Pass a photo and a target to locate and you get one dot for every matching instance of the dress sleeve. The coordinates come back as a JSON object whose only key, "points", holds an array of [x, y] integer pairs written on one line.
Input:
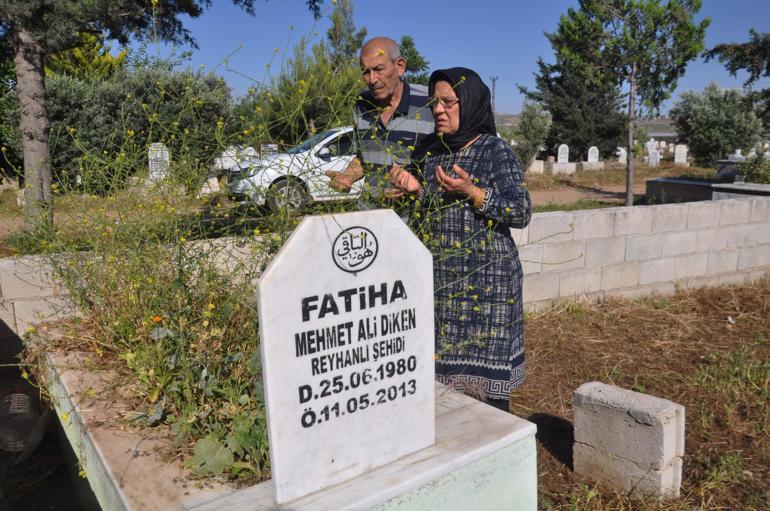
{"points": [[506, 200]]}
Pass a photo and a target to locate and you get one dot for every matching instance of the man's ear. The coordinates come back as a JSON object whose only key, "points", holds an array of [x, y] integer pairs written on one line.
{"points": [[401, 66]]}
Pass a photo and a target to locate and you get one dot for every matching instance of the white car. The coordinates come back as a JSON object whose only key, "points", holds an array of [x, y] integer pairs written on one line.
{"points": [[295, 178]]}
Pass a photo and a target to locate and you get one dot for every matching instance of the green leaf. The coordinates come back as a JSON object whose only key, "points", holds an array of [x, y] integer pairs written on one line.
{"points": [[211, 456]]}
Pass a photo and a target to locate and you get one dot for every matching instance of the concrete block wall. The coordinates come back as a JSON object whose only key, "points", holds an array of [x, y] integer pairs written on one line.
{"points": [[642, 250]]}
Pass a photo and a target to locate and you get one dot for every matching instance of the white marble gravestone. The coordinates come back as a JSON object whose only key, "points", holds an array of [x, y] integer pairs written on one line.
{"points": [[654, 158], [622, 155], [346, 327], [593, 154], [563, 154], [680, 154], [593, 162], [159, 159]]}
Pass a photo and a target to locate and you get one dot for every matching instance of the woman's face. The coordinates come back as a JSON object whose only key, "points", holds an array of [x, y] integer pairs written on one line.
{"points": [[446, 109]]}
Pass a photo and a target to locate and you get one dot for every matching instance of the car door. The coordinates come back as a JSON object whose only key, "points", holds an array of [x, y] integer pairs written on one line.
{"points": [[333, 154]]}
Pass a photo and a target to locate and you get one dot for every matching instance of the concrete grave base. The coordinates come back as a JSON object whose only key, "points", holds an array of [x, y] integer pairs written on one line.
{"points": [[483, 459], [560, 168], [585, 166]]}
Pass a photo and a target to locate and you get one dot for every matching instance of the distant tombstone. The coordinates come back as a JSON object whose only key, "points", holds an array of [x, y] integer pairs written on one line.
{"points": [[622, 155], [159, 160], [563, 154], [651, 146], [593, 154], [737, 156], [347, 346], [663, 146], [654, 159], [680, 154]]}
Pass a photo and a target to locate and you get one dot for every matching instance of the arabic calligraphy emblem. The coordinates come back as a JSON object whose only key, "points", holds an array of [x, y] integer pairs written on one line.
{"points": [[355, 249]]}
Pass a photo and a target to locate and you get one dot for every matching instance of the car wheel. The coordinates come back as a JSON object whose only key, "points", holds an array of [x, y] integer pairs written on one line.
{"points": [[287, 195]]}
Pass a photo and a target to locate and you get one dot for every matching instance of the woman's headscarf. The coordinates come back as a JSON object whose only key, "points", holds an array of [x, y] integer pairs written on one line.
{"points": [[476, 116]]}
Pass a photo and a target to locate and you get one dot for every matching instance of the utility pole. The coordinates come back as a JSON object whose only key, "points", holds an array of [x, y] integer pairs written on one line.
{"points": [[494, 85]]}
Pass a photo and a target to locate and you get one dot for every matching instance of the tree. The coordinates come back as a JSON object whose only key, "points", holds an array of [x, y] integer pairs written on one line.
{"points": [[91, 58], [715, 122], [344, 40], [37, 28], [642, 44], [754, 58], [531, 132], [584, 111], [416, 65]]}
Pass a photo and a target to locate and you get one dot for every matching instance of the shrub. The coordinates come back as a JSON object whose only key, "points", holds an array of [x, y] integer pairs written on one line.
{"points": [[756, 170]]}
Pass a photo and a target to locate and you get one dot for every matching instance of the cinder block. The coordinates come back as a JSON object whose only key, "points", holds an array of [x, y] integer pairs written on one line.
{"points": [[657, 270], [621, 429], [678, 243], [738, 236], [734, 211], [760, 210], [551, 227], [540, 286], [626, 474], [641, 248], [753, 257], [531, 257], [723, 261], [633, 220], [618, 276], [657, 289], [605, 251], [756, 275], [703, 214], [559, 256], [7, 315], [763, 233], [691, 265], [669, 217], [580, 282], [27, 277], [597, 223], [520, 236], [38, 310], [710, 240], [541, 306]]}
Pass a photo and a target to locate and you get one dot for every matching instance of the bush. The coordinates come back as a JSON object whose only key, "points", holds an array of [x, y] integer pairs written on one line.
{"points": [[531, 132], [756, 170], [715, 122]]}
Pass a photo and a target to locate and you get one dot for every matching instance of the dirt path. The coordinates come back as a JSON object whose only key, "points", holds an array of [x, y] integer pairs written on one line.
{"points": [[568, 195]]}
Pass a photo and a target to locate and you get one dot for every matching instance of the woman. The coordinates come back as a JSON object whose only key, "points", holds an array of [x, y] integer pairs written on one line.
{"points": [[470, 194]]}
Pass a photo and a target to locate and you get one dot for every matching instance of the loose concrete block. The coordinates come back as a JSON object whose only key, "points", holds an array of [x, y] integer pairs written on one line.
{"points": [[599, 223], [622, 436], [641, 248], [723, 261], [38, 310], [531, 257], [760, 210], [27, 277], [753, 257], [633, 220], [710, 240], [520, 236], [551, 227], [657, 270], [605, 251], [7, 315], [580, 282], [734, 211], [678, 243], [618, 276], [703, 214], [691, 265], [560, 256], [670, 217], [540, 286]]}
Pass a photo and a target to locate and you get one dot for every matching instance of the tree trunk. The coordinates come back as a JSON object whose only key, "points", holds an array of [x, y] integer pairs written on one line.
{"points": [[30, 86], [630, 153]]}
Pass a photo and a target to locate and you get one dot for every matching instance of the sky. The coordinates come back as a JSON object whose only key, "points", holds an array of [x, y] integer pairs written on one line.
{"points": [[502, 38]]}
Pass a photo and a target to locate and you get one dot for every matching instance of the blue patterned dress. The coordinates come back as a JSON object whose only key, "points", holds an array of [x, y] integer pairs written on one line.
{"points": [[477, 273]]}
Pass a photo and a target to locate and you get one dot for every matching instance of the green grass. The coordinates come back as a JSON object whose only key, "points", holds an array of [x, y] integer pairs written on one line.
{"points": [[574, 206]]}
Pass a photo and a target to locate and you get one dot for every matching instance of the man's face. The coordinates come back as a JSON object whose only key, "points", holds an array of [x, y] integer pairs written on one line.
{"points": [[381, 75]]}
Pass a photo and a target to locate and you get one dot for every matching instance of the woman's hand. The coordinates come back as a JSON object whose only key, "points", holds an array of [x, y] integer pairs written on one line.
{"points": [[403, 180], [462, 184]]}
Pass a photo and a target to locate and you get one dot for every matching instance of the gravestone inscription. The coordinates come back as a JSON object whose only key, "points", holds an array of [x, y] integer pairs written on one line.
{"points": [[593, 154], [346, 326], [159, 159]]}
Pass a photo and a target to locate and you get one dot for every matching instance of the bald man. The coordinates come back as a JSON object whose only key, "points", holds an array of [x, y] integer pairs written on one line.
{"points": [[392, 116]]}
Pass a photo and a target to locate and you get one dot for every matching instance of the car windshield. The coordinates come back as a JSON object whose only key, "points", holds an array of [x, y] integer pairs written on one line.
{"points": [[309, 143]]}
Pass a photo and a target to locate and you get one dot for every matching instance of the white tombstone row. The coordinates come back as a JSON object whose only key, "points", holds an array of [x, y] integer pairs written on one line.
{"points": [[347, 344], [680, 154], [622, 155], [159, 160], [563, 154], [593, 154]]}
